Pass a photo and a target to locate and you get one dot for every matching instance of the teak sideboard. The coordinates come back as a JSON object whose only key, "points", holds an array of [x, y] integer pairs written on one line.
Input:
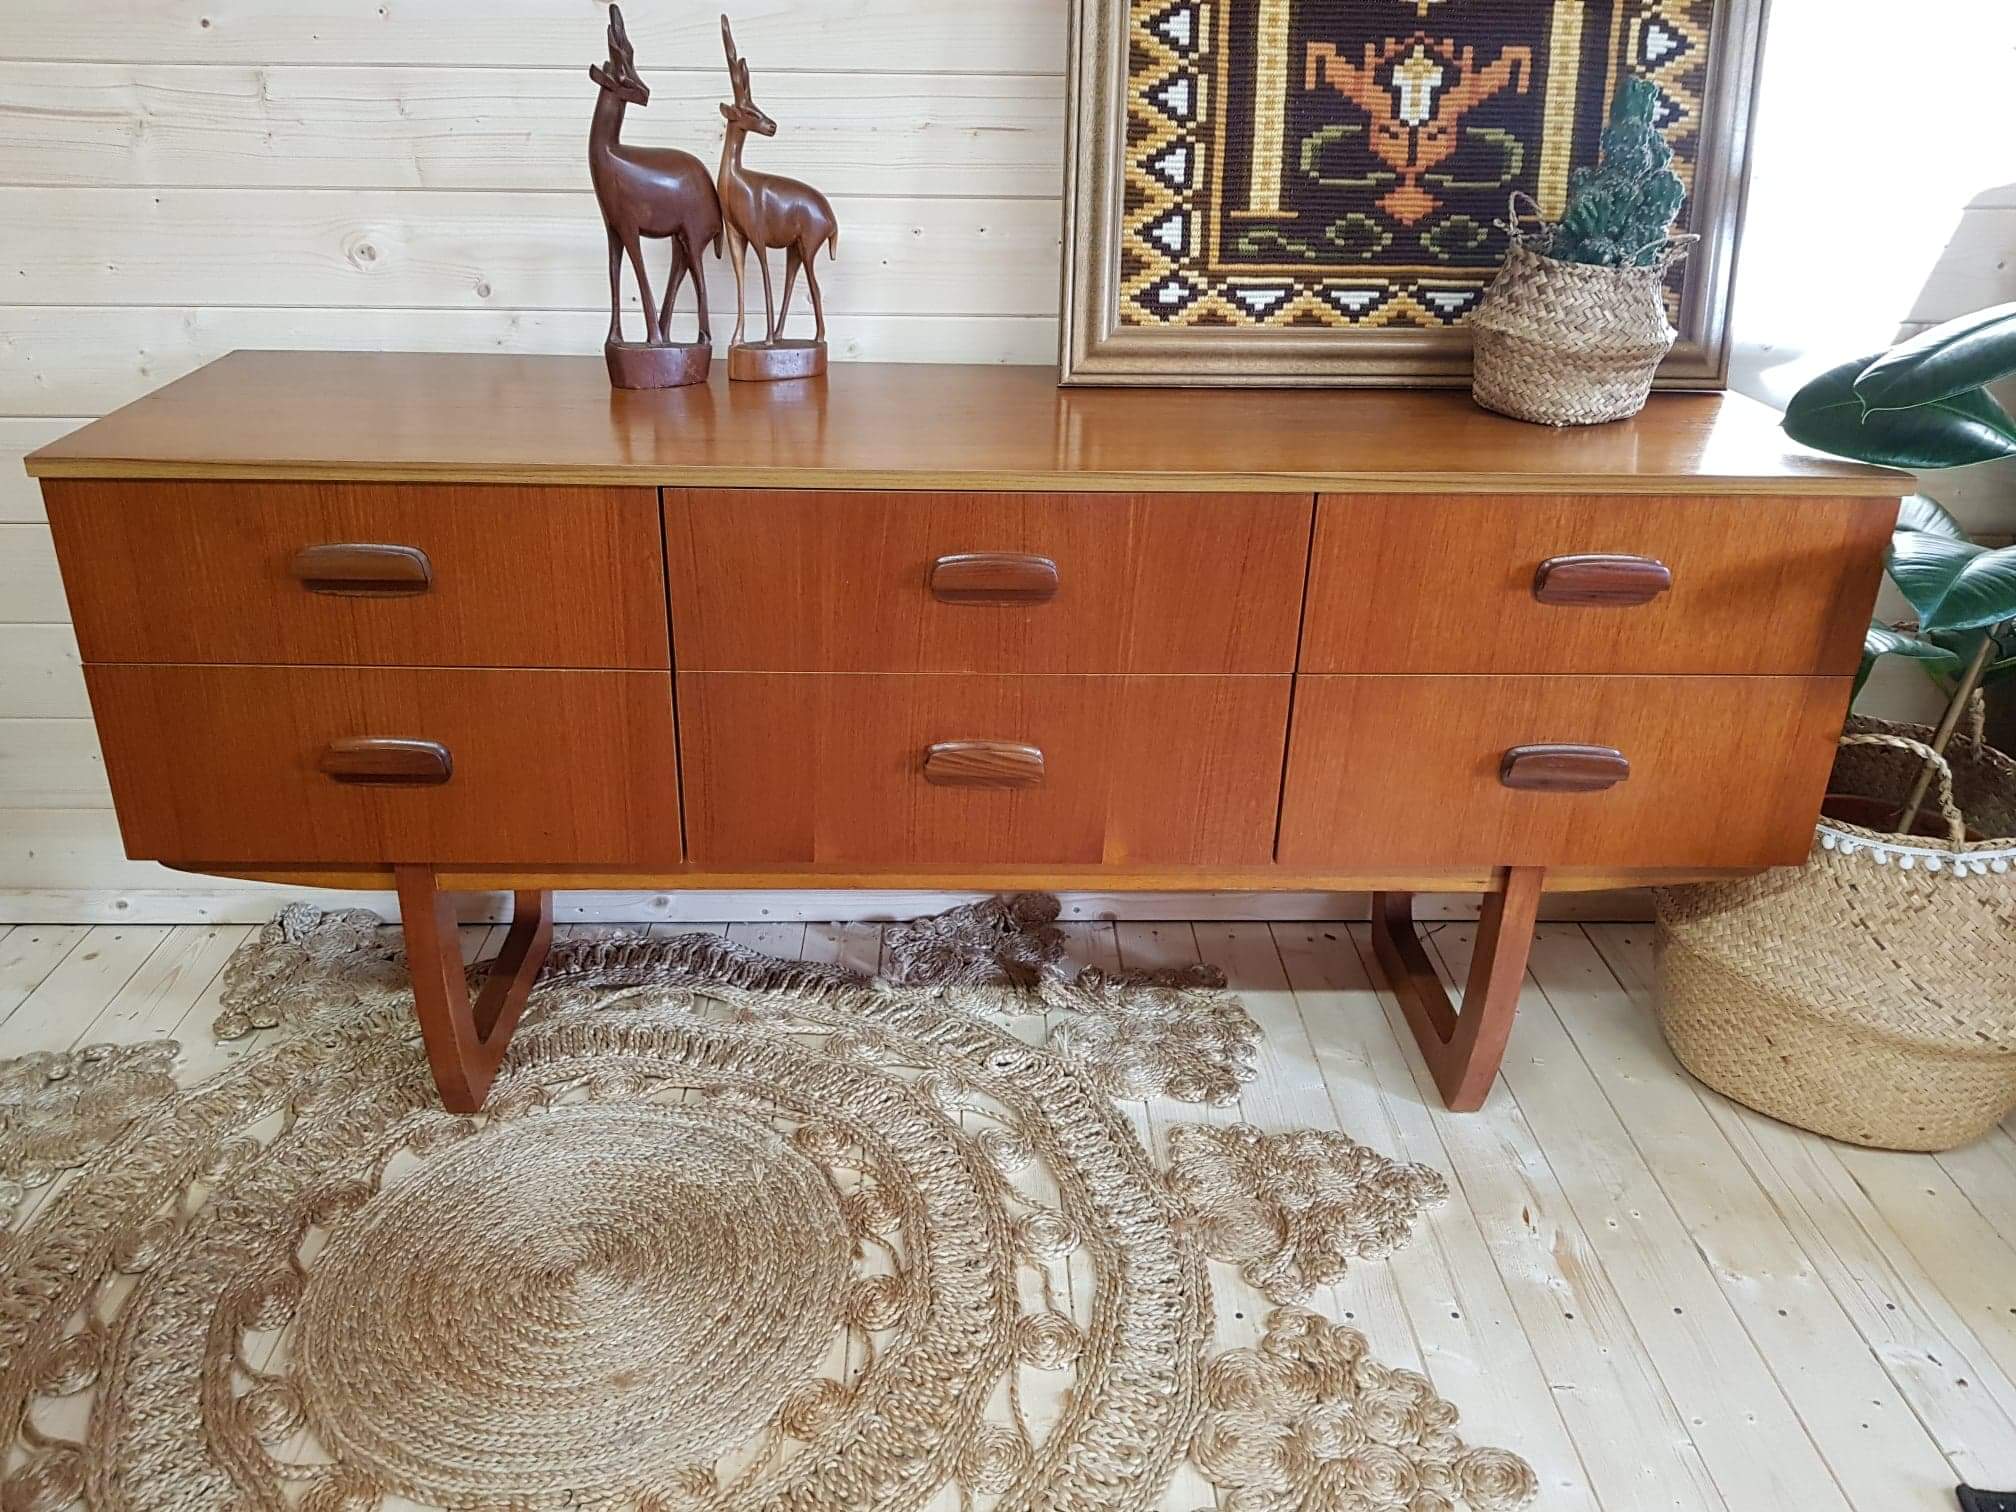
{"points": [[453, 623]]}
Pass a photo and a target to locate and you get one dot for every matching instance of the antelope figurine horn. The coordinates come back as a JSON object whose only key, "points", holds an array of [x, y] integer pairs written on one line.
{"points": [[619, 39]]}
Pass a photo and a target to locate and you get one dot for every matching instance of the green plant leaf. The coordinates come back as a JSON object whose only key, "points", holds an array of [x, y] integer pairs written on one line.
{"points": [[1925, 567], [1970, 427], [1929, 517], [1962, 644], [1887, 640], [1943, 363], [1883, 640], [1982, 594], [1951, 584]]}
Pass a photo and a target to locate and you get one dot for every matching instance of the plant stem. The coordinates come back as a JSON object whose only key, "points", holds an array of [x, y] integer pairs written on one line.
{"points": [[1962, 696]]}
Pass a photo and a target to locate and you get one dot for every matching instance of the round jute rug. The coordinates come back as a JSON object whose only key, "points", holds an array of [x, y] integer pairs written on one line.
{"points": [[732, 1233]]}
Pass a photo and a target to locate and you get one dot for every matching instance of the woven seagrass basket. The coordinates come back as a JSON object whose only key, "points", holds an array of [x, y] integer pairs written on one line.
{"points": [[1565, 343], [1869, 995]]}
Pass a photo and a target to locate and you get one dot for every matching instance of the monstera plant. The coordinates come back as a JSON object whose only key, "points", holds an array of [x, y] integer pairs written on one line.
{"points": [[1923, 406]]}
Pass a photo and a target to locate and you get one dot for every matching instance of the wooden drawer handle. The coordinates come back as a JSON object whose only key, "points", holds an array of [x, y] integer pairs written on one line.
{"points": [[994, 577], [983, 764], [1601, 582], [387, 763], [1563, 768], [355, 570]]}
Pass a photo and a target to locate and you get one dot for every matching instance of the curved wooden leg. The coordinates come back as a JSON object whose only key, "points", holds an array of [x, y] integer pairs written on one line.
{"points": [[1463, 1050], [466, 1042]]}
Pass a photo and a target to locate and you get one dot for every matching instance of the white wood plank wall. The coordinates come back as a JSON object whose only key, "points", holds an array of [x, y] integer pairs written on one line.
{"points": [[179, 178]]}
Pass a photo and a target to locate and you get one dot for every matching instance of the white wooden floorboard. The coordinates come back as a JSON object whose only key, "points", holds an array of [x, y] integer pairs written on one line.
{"points": [[156, 998], [203, 1054], [852, 947], [1985, 1174], [1879, 1451], [1845, 1335], [1754, 1443], [1894, 1306], [1973, 1266], [1635, 1436], [1468, 1335], [28, 954], [1634, 1440], [40, 679], [77, 990]]}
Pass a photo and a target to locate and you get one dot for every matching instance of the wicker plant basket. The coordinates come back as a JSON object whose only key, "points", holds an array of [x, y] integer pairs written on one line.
{"points": [[1871, 994], [1566, 343]]}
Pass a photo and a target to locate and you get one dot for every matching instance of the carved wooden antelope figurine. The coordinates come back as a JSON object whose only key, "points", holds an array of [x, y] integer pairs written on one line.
{"points": [[769, 211], [657, 192]]}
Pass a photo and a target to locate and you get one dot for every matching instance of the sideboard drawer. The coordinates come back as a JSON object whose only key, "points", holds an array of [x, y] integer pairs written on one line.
{"points": [[1422, 771], [783, 768], [966, 582], [324, 764], [1454, 584], [377, 574]]}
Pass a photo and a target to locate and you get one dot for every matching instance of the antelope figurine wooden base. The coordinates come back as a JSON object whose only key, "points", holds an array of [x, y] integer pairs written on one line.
{"points": [[649, 192], [769, 211]]}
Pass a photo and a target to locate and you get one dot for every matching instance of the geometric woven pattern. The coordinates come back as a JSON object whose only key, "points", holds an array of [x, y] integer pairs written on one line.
{"points": [[1347, 163]]}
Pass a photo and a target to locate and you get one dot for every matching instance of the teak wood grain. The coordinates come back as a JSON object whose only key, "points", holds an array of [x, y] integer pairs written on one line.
{"points": [[1759, 585], [842, 582], [829, 769], [1725, 771], [493, 418], [466, 1036], [225, 764], [206, 572], [951, 627], [916, 876]]}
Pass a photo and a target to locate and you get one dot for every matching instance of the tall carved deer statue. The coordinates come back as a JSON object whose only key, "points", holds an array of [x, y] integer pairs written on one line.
{"points": [[657, 192], [768, 210]]}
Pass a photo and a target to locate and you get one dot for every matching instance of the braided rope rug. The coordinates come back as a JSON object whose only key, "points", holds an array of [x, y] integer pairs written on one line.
{"points": [[732, 1233]]}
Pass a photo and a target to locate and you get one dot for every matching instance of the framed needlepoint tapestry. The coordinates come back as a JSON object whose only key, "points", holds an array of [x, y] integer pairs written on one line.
{"points": [[1316, 191]]}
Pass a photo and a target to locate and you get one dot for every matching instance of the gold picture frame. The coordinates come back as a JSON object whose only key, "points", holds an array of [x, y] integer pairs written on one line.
{"points": [[1313, 341]]}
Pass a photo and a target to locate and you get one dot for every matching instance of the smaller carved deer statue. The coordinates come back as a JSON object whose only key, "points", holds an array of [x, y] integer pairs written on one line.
{"points": [[769, 211], [656, 192]]}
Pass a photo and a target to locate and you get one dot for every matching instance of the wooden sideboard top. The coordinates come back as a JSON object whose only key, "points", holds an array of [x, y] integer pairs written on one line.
{"points": [[402, 417]]}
